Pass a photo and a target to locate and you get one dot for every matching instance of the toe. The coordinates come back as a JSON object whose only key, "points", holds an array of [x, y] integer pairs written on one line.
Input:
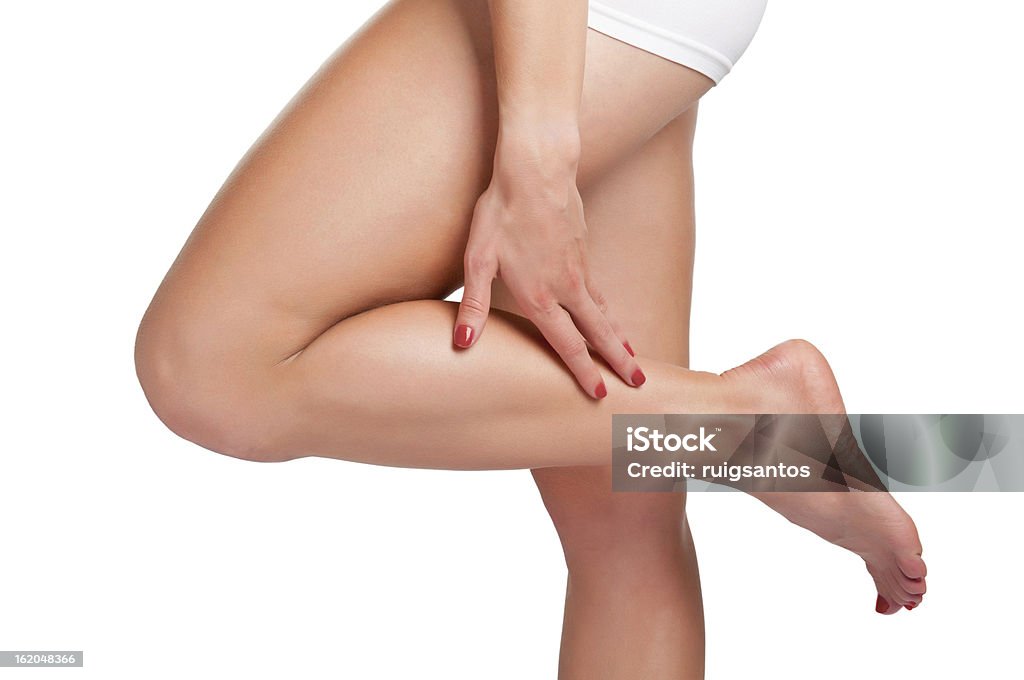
{"points": [[884, 606], [900, 590], [891, 595], [912, 566], [891, 590], [914, 586], [906, 599]]}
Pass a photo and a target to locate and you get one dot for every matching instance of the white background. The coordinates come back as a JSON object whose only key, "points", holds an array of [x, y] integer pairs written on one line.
{"points": [[859, 182]]}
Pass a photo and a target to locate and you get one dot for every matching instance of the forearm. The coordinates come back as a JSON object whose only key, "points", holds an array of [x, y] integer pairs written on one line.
{"points": [[539, 52], [528, 226]]}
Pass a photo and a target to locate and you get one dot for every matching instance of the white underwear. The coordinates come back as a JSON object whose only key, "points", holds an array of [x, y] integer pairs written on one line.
{"points": [[705, 35]]}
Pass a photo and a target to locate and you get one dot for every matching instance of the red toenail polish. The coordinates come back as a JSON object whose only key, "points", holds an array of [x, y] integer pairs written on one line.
{"points": [[910, 606], [639, 378], [629, 349], [601, 391], [881, 606], [463, 335]]}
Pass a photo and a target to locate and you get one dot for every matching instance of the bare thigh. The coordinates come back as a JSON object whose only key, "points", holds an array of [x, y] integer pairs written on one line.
{"points": [[361, 192]]}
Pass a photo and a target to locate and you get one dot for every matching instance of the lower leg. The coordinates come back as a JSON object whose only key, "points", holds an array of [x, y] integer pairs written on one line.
{"points": [[633, 601], [387, 387], [639, 618]]}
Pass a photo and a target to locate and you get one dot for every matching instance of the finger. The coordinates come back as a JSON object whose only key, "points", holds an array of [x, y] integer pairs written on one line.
{"points": [[602, 305], [476, 299], [557, 327], [597, 329]]}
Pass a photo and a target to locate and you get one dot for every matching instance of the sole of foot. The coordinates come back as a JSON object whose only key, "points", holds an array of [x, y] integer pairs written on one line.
{"points": [[795, 378]]}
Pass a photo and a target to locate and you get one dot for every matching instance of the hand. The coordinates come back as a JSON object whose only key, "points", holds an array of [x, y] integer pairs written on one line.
{"points": [[528, 229]]}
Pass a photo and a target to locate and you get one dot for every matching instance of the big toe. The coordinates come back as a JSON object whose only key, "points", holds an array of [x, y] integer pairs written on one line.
{"points": [[892, 595], [883, 606]]}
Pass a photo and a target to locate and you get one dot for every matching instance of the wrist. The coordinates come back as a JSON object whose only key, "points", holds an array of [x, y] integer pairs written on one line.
{"points": [[553, 146]]}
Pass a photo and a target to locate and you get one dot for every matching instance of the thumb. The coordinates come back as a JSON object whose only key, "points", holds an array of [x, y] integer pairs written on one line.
{"points": [[476, 301]]}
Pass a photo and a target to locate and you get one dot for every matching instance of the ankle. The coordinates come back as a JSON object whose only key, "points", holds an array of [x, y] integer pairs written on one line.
{"points": [[743, 392]]}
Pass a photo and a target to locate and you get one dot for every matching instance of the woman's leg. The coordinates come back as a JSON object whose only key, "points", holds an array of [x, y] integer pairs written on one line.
{"points": [[633, 602], [298, 318]]}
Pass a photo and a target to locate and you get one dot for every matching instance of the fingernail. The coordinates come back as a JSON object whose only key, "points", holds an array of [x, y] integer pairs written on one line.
{"points": [[463, 335], [881, 606], [629, 349], [639, 378], [601, 391]]}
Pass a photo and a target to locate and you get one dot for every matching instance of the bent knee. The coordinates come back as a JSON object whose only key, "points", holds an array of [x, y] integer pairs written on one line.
{"points": [[204, 396]]}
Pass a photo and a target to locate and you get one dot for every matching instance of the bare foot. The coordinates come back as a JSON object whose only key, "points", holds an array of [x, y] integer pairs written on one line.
{"points": [[794, 377]]}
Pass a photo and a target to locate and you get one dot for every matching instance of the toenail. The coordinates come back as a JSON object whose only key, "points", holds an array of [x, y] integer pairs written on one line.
{"points": [[881, 606]]}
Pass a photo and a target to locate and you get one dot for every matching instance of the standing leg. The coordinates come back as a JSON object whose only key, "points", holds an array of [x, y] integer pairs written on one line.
{"points": [[633, 603]]}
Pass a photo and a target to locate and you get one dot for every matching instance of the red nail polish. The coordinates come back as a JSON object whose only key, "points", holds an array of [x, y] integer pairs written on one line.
{"points": [[629, 349], [910, 606], [639, 378], [881, 606], [463, 335], [601, 391]]}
